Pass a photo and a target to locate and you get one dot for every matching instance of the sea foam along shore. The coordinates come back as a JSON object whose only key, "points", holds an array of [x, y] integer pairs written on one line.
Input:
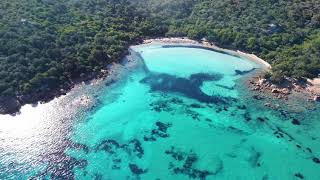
{"points": [[205, 44]]}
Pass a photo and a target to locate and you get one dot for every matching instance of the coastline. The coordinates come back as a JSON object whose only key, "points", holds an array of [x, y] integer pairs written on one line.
{"points": [[315, 88], [310, 90], [210, 46], [111, 73], [12, 105]]}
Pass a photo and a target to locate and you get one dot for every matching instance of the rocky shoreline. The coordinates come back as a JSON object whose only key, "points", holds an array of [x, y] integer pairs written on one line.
{"points": [[12, 105], [307, 89]]}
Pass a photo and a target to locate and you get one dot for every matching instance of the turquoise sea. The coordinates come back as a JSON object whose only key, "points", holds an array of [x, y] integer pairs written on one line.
{"points": [[170, 112]]}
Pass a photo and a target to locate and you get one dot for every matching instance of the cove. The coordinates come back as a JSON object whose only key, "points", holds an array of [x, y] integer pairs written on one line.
{"points": [[179, 113]]}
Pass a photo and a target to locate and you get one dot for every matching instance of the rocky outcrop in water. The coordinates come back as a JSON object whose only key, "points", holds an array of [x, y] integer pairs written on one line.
{"points": [[285, 88]]}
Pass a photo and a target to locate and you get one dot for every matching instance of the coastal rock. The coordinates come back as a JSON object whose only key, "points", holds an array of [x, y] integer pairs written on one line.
{"points": [[275, 91], [316, 98], [285, 91], [256, 89], [9, 105], [262, 81], [103, 71]]}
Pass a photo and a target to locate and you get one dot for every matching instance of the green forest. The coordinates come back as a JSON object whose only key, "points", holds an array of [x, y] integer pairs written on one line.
{"points": [[49, 44]]}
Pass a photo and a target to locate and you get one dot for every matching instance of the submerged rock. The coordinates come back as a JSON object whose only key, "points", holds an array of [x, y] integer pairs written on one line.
{"points": [[239, 72], [190, 87], [136, 170], [258, 97], [247, 116], [162, 126], [137, 147], [161, 131], [299, 175], [208, 120], [175, 154], [262, 119], [242, 107], [109, 146], [188, 161], [176, 101], [194, 105], [161, 106], [134, 147], [255, 158], [316, 98], [309, 150], [316, 160], [295, 122]]}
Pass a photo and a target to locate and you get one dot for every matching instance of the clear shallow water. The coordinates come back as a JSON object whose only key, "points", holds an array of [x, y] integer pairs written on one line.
{"points": [[184, 114]]}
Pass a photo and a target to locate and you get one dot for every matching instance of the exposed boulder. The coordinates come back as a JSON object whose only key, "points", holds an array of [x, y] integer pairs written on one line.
{"points": [[316, 98], [262, 81], [285, 91]]}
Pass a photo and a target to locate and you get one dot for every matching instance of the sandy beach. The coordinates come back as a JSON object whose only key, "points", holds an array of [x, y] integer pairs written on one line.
{"points": [[312, 87], [204, 43]]}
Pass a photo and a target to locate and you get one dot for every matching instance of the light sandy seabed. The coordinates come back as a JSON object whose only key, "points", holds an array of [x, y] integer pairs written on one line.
{"points": [[313, 87], [186, 41]]}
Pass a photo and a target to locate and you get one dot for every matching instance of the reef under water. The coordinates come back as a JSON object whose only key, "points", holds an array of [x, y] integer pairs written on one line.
{"points": [[189, 87], [180, 113]]}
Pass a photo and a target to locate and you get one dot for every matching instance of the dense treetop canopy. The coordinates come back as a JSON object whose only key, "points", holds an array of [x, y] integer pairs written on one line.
{"points": [[47, 44], [284, 33]]}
